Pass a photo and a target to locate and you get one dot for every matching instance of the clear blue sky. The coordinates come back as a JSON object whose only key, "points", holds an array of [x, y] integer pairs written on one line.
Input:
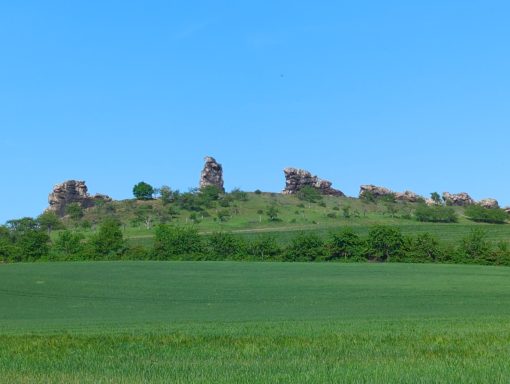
{"points": [[405, 94]]}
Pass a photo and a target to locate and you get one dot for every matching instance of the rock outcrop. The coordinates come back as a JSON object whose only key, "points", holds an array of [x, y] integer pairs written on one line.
{"points": [[212, 174], [374, 191], [408, 196], [72, 191], [296, 179], [458, 199], [489, 203]]}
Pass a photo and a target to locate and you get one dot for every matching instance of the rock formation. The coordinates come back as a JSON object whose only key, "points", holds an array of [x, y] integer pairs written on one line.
{"points": [[212, 174], [374, 191], [72, 191], [458, 199], [489, 203], [295, 179], [408, 196]]}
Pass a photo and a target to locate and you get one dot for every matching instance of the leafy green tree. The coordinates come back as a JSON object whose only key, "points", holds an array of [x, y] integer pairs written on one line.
{"points": [[109, 241], [305, 246], [238, 195], [345, 245], [424, 248], [264, 247], [50, 221], [143, 191], [172, 242], [69, 244], [436, 198], [385, 242], [475, 248], [166, 194], [223, 215]]}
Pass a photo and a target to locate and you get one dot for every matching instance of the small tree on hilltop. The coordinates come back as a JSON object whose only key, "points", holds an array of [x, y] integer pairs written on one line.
{"points": [[309, 194], [436, 198], [143, 191]]}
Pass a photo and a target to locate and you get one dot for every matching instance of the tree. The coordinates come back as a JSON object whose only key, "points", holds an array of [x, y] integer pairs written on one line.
{"points": [[224, 245], [475, 247], [435, 214], [109, 241], [344, 244], [143, 191], [385, 242], [264, 247], [50, 221], [436, 198], [171, 241], [69, 244], [167, 196], [305, 247]]}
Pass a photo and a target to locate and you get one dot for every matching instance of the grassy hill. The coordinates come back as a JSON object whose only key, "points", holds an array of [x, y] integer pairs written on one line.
{"points": [[248, 217], [253, 322]]}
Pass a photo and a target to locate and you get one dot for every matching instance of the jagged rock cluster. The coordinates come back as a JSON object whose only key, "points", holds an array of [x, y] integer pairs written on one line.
{"points": [[379, 192], [72, 191], [212, 174], [457, 199], [489, 203], [296, 179]]}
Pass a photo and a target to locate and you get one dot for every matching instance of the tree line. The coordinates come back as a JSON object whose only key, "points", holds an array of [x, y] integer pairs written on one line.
{"points": [[28, 240]]}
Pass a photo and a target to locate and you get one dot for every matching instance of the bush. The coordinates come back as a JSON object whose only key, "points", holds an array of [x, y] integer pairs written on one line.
{"points": [[474, 248], [173, 242], [435, 214], [385, 243], [69, 245], [486, 215], [223, 245], [344, 245], [109, 242], [423, 248], [264, 247], [305, 247]]}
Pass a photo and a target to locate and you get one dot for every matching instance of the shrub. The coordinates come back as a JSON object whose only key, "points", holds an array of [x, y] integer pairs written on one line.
{"points": [[305, 247], [108, 242], [385, 243], [424, 248], [474, 247], [264, 247], [224, 245], [486, 215], [172, 242], [68, 245], [344, 245], [435, 214]]}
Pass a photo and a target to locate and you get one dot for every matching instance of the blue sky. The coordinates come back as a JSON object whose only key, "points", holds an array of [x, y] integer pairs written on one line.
{"points": [[407, 95]]}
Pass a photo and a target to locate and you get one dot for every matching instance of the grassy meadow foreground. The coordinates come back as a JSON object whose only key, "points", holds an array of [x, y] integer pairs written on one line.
{"points": [[115, 322]]}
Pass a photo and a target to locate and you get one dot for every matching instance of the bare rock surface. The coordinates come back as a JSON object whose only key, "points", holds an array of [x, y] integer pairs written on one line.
{"points": [[296, 179], [374, 191], [489, 203], [212, 174], [72, 191], [408, 196], [461, 199]]}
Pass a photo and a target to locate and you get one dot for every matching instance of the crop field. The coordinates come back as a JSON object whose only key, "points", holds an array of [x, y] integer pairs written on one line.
{"points": [[228, 322]]}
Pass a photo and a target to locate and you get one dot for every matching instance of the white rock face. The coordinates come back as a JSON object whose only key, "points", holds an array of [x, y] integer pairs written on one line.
{"points": [[488, 203]]}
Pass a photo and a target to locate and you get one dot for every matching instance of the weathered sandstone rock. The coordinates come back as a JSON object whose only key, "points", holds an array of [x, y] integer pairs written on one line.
{"points": [[72, 191], [296, 179], [458, 199], [212, 174]]}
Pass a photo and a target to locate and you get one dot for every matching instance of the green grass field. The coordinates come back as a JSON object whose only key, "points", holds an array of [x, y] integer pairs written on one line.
{"points": [[227, 322]]}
